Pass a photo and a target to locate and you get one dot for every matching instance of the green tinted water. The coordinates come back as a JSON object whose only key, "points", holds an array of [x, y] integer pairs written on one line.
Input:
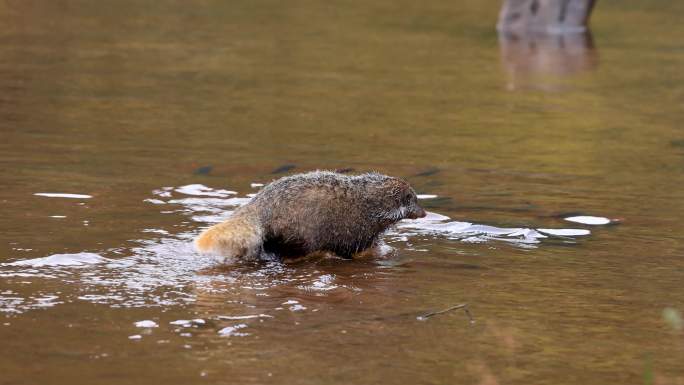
{"points": [[118, 100]]}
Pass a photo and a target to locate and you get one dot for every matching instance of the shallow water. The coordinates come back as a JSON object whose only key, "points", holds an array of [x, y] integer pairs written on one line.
{"points": [[151, 122]]}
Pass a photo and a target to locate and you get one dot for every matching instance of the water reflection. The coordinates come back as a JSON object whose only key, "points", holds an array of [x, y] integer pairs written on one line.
{"points": [[538, 60]]}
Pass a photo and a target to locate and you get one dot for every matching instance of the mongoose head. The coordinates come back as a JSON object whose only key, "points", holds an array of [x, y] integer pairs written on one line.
{"points": [[402, 202]]}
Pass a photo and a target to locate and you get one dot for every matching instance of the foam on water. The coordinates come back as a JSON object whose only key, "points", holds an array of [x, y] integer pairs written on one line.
{"points": [[64, 195], [146, 324], [214, 205], [437, 224], [239, 317], [426, 196], [14, 304], [233, 331], [566, 232], [188, 323], [588, 220], [323, 283], [202, 190], [77, 259]]}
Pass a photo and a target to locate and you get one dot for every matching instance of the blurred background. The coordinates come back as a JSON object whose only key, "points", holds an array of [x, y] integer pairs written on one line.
{"points": [[119, 99]]}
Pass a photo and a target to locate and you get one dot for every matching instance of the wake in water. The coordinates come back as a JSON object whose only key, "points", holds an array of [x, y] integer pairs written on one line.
{"points": [[166, 271]]}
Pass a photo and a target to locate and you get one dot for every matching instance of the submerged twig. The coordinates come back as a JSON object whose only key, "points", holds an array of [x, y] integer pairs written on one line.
{"points": [[397, 316], [463, 306]]}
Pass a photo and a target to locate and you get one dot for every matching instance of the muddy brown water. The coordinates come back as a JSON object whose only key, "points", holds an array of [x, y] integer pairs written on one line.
{"points": [[128, 102]]}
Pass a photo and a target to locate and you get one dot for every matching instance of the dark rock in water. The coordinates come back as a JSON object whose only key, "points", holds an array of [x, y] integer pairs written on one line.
{"points": [[204, 170], [344, 170], [428, 172], [283, 168]]}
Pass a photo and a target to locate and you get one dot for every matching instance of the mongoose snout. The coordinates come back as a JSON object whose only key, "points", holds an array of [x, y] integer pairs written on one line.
{"points": [[319, 211], [415, 214]]}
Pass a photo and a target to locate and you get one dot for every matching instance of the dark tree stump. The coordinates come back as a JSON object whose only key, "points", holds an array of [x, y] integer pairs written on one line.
{"points": [[545, 16]]}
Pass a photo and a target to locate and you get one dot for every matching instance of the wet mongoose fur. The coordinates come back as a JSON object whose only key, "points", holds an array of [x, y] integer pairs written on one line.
{"points": [[318, 211]]}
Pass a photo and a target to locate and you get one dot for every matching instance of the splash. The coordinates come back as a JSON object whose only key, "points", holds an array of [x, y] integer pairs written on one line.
{"points": [[162, 269], [440, 225]]}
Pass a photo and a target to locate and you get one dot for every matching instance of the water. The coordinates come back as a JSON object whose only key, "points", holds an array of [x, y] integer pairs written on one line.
{"points": [[152, 122]]}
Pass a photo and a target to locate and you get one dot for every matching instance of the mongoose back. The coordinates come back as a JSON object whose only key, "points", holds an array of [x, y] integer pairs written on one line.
{"points": [[319, 211]]}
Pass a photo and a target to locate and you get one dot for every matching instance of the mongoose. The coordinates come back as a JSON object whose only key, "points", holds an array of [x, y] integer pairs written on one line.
{"points": [[318, 211]]}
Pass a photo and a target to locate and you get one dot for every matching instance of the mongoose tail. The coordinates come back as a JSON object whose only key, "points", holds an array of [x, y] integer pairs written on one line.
{"points": [[240, 236]]}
